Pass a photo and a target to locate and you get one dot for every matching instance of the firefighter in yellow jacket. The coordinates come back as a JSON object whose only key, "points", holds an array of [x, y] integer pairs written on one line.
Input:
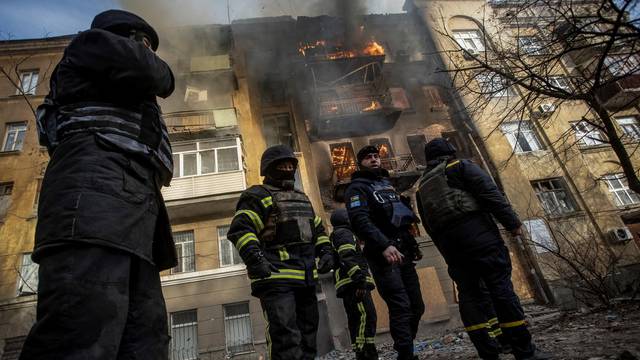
{"points": [[279, 237]]}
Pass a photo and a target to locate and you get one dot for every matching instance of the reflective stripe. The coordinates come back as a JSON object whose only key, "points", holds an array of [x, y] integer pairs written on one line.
{"points": [[476, 327], [266, 202], [284, 255], [244, 240], [370, 279], [363, 321], [369, 340], [353, 269], [343, 282], [317, 221], [322, 240], [253, 216], [495, 333], [292, 274], [453, 163], [346, 247], [512, 324], [315, 273], [493, 321]]}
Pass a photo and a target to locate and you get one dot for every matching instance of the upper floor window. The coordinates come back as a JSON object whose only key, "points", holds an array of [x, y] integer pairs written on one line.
{"points": [[521, 136], [530, 45], [630, 127], [28, 281], [184, 335], [228, 253], [5, 198], [554, 196], [206, 157], [185, 248], [28, 83], [540, 235], [343, 160], [494, 85], [237, 328], [620, 191], [620, 65], [470, 40], [587, 134], [14, 136], [560, 82]]}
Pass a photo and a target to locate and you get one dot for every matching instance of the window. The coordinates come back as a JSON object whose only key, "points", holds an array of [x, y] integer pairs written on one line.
{"points": [[540, 235], [343, 160], [620, 191], [237, 328], [228, 253], [273, 89], [493, 85], [193, 95], [560, 82], [587, 134], [184, 335], [28, 83], [630, 127], [5, 198], [416, 145], [469, 40], [14, 138], [521, 136], [554, 197], [185, 248], [530, 45], [277, 130], [28, 280], [206, 157], [620, 65]]}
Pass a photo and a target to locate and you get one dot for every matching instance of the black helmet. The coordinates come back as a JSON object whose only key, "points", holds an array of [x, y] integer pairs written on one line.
{"points": [[121, 22], [275, 154], [369, 149], [438, 147], [340, 217]]}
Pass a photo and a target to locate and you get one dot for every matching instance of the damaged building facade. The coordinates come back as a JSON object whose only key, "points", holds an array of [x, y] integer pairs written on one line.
{"points": [[324, 85]]}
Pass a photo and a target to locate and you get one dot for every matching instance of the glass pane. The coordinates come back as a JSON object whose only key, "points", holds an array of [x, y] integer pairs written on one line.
{"points": [[183, 147], [189, 166], [176, 165], [19, 140], [207, 162], [184, 335], [8, 146], [228, 159]]}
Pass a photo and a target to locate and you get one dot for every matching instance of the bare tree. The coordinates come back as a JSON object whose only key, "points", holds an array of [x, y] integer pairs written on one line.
{"points": [[537, 55]]}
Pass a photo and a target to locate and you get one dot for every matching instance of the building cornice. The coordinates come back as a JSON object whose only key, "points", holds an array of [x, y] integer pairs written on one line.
{"points": [[205, 275]]}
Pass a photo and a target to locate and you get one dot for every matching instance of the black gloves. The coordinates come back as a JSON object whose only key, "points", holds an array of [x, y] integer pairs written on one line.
{"points": [[326, 262], [260, 268]]}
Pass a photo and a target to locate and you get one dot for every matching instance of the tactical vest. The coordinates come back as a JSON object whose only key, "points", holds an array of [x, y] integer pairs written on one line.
{"points": [[441, 203], [398, 213], [142, 132], [291, 219]]}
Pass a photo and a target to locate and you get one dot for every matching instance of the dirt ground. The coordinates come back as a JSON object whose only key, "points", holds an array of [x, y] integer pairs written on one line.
{"points": [[585, 334]]}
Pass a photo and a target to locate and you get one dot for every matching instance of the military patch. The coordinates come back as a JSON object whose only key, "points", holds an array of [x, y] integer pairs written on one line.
{"points": [[354, 201]]}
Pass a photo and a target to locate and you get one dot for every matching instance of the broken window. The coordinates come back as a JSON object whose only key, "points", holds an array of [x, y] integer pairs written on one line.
{"points": [[554, 196], [386, 152], [343, 160], [540, 235], [416, 145], [587, 134], [184, 335], [193, 94], [185, 248], [237, 328], [277, 130]]}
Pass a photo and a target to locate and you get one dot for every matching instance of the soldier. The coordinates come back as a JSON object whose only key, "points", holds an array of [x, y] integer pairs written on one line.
{"points": [[383, 221], [353, 285], [103, 233], [279, 237], [456, 201]]}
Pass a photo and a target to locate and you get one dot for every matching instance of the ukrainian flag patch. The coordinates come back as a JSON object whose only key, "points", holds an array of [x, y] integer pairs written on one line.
{"points": [[354, 201]]}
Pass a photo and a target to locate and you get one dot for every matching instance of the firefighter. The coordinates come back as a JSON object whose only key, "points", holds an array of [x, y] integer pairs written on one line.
{"points": [[383, 221], [103, 233], [279, 238], [353, 285], [456, 201]]}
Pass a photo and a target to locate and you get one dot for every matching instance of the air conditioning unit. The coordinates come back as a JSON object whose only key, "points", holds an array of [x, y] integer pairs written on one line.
{"points": [[470, 53], [547, 108], [620, 235]]}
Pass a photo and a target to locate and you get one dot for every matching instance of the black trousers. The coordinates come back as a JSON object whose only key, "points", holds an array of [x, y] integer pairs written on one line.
{"points": [[292, 317], [362, 319], [399, 287], [97, 303], [484, 284]]}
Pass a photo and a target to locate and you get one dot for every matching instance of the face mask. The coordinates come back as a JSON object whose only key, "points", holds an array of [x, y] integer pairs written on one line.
{"points": [[282, 175]]}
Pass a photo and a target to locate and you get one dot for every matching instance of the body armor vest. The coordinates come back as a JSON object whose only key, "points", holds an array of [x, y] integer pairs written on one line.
{"points": [[291, 219], [399, 214], [441, 203]]}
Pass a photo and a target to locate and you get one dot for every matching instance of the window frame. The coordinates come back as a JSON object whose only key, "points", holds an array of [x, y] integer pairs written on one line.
{"points": [[547, 243], [33, 87], [622, 65], [231, 248], [534, 48], [26, 262], [598, 140], [21, 128], [243, 316], [483, 79], [521, 133], [173, 326], [182, 267], [198, 152], [570, 200], [634, 133], [624, 188], [557, 80], [476, 39]]}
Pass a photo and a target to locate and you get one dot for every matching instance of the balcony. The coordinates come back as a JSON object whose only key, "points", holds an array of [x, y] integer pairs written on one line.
{"points": [[187, 122], [621, 94]]}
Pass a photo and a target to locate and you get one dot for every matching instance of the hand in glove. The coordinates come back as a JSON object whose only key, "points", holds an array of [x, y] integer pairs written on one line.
{"points": [[417, 255], [261, 268], [361, 290], [326, 263]]}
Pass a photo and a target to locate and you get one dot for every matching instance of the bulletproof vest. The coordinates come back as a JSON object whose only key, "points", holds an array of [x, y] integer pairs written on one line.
{"points": [[291, 219], [441, 203], [398, 213], [140, 132]]}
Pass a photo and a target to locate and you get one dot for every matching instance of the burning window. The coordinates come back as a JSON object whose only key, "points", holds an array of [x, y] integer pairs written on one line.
{"points": [[321, 48], [343, 160]]}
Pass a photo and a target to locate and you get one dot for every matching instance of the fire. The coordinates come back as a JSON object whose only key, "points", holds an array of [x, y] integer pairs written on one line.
{"points": [[373, 48], [304, 47], [320, 48], [373, 107], [343, 161]]}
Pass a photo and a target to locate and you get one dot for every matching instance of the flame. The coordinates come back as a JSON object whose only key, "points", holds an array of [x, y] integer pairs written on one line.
{"points": [[304, 47], [343, 161], [375, 105], [373, 48]]}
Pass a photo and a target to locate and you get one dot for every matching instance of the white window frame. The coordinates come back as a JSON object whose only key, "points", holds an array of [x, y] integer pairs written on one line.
{"points": [[247, 328], [541, 235], [182, 248], [470, 40], [587, 135], [493, 85], [192, 352], [13, 132], [620, 65], [198, 152], [518, 131], [619, 189], [226, 246], [28, 279], [550, 200], [630, 127], [530, 45], [560, 82], [28, 82]]}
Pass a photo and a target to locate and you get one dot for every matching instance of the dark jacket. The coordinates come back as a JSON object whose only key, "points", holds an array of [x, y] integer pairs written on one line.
{"points": [[297, 263], [353, 271], [371, 217], [478, 229], [93, 192]]}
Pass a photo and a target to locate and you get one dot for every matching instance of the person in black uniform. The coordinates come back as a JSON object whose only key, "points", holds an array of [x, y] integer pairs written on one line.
{"points": [[456, 201], [103, 233], [353, 285], [279, 238], [383, 221]]}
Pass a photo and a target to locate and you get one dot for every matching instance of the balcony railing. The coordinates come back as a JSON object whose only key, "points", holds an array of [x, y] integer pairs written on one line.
{"points": [[621, 94], [185, 121], [397, 166]]}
